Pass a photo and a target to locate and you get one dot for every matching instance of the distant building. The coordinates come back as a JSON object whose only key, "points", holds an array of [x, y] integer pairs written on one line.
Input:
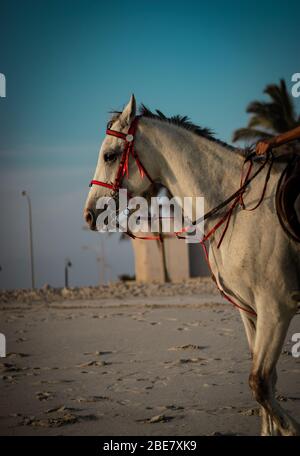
{"points": [[179, 260], [171, 260]]}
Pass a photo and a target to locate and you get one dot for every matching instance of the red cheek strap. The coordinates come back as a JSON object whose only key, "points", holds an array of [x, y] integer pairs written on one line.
{"points": [[102, 184], [128, 150]]}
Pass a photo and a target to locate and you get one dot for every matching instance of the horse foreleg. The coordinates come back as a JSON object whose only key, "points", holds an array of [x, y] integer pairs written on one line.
{"points": [[268, 426], [250, 329], [270, 334]]}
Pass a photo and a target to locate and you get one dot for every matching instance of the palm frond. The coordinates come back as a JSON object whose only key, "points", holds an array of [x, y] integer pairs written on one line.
{"points": [[277, 115], [283, 102], [260, 121], [244, 134]]}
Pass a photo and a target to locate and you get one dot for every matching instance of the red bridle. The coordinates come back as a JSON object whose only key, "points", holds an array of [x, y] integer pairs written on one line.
{"points": [[128, 150], [237, 197]]}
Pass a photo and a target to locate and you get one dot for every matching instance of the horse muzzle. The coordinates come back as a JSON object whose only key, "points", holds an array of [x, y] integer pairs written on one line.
{"points": [[90, 219]]}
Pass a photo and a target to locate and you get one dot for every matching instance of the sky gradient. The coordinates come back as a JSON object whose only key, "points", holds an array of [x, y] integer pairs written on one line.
{"points": [[68, 63]]}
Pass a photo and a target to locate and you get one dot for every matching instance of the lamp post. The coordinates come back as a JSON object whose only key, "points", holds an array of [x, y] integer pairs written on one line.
{"points": [[68, 265], [24, 193]]}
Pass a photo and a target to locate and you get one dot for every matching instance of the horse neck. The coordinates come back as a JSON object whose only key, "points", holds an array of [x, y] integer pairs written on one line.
{"points": [[191, 165]]}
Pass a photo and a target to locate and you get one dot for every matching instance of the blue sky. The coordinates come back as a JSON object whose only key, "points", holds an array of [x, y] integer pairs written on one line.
{"points": [[68, 63]]}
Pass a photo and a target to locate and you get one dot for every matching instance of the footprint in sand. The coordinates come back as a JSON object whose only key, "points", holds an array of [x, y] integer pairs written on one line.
{"points": [[58, 421], [11, 367], [156, 419], [94, 363], [182, 361], [191, 360], [187, 347], [250, 412], [17, 355], [171, 407], [92, 399], [52, 382], [44, 395], [99, 353]]}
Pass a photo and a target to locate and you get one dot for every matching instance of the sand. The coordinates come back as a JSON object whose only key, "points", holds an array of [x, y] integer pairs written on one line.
{"points": [[162, 363]]}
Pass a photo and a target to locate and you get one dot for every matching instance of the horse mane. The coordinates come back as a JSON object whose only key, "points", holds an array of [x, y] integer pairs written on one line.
{"points": [[178, 120]]}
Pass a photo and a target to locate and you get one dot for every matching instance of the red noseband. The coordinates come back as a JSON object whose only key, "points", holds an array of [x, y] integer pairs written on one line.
{"points": [[128, 150]]}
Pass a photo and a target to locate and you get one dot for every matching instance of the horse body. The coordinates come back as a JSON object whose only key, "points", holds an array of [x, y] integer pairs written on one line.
{"points": [[256, 264]]}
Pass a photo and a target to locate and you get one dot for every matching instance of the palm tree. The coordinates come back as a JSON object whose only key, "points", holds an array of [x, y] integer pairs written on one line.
{"points": [[269, 118]]}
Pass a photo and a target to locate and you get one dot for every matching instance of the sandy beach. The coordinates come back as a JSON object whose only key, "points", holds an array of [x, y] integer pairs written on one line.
{"points": [[152, 361]]}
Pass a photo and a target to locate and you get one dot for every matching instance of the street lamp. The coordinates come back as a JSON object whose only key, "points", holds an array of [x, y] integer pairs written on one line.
{"points": [[24, 193], [68, 265]]}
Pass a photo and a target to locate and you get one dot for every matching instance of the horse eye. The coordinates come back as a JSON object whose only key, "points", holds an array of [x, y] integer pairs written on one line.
{"points": [[111, 157]]}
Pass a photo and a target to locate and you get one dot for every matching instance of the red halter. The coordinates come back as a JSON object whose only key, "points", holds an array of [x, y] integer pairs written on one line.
{"points": [[128, 150], [236, 197]]}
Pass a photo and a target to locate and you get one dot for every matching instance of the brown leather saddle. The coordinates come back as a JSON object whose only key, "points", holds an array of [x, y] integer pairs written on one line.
{"points": [[288, 190]]}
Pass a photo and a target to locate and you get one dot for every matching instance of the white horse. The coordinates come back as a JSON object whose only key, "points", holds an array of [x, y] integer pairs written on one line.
{"points": [[257, 265]]}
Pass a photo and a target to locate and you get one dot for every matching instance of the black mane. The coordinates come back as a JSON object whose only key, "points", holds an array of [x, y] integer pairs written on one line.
{"points": [[180, 121]]}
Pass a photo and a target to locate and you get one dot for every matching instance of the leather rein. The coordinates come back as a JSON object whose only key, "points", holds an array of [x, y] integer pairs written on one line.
{"points": [[235, 199]]}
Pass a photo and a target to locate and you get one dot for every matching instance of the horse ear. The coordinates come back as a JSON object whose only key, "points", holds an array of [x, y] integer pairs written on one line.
{"points": [[129, 112]]}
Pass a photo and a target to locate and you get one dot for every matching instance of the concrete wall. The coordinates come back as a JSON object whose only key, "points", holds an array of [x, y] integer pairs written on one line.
{"points": [[149, 260], [177, 257], [197, 263]]}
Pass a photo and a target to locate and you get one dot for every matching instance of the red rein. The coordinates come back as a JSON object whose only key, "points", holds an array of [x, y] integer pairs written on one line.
{"points": [[129, 150]]}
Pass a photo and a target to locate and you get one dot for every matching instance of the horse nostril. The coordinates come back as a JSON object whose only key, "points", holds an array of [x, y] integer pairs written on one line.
{"points": [[90, 218]]}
